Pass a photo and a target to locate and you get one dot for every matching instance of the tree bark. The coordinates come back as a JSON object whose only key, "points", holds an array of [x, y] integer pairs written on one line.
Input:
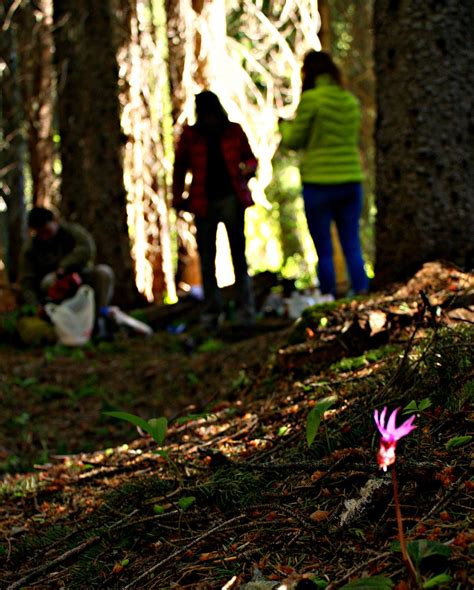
{"points": [[424, 134], [35, 49], [12, 153], [93, 190]]}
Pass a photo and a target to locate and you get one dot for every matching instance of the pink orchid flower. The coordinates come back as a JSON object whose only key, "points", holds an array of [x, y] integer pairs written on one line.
{"points": [[390, 435]]}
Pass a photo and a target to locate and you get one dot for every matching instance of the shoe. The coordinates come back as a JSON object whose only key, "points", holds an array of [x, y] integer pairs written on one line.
{"points": [[102, 333], [212, 322], [245, 318]]}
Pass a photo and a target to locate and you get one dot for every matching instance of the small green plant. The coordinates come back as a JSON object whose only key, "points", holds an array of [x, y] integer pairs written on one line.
{"points": [[438, 581], [192, 378], [240, 381], [422, 549], [370, 583], [319, 583], [186, 502], [210, 345], [314, 419], [415, 406], [156, 427], [458, 441]]}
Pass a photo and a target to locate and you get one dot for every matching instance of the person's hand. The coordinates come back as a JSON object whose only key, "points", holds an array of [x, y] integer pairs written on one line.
{"points": [[40, 312]]}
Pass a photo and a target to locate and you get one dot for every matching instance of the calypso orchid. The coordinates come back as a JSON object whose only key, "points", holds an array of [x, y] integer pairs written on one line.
{"points": [[390, 435]]}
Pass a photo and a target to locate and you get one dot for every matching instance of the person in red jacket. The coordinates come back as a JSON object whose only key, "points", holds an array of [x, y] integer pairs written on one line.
{"points": [[217, 153]]}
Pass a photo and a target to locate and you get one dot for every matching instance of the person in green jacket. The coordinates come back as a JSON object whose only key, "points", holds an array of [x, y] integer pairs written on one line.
{"points": [[326, 130], [57, 250]]}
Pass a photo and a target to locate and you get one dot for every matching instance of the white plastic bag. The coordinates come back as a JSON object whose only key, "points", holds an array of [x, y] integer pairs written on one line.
{"points": [[74, 318]]}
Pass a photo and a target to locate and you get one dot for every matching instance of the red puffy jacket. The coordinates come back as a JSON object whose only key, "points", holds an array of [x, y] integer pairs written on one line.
{"points": [[191, 156]]}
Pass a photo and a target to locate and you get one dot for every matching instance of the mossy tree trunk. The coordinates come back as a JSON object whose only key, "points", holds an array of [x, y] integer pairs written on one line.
{"points": [[424, 134], [93, 190]]}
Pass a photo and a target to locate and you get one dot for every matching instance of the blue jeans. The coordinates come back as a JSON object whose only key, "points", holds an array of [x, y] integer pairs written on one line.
{"points": [[228, 211], [341, 203]]}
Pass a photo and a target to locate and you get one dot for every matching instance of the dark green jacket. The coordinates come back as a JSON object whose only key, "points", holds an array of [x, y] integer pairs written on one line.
{"points": [[326, 130], [71, 249]]}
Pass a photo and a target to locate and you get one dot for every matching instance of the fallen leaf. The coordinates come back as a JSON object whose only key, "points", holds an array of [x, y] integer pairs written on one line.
{"points": [[319, 515]]}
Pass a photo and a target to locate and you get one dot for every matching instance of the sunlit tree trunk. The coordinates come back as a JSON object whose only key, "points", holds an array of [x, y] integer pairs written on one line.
{"points": [[146, 120], [424, 134], [12, 152], [181, 40], [93, 190]]}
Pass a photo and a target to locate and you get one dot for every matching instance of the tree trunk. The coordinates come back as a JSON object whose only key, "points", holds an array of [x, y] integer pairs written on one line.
{"points": [[424, 134], [147, 123], [324, 32], [12, 154], [35, 49], [93, 191], [188, 267]]}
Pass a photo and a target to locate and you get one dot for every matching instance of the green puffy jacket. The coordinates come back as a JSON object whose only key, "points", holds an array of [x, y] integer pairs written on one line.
{"points": [[326, 129]]}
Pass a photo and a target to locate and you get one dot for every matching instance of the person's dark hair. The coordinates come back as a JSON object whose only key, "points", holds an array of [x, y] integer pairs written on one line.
{"points": [[208, 103], [38, 217], [315, 64]]}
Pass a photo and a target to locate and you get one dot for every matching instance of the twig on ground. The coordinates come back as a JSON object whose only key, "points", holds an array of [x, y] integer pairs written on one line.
{"points": [[361, 566], [179, 552], [45, 567]]}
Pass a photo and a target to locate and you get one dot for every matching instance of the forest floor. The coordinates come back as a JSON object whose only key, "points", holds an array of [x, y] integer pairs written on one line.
{"points": [[235, 496]]}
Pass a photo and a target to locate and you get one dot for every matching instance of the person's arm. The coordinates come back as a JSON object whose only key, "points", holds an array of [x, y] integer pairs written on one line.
{"points": [[249, 162], [181, 167], [83, 252], [27, 278], [294, 134]]}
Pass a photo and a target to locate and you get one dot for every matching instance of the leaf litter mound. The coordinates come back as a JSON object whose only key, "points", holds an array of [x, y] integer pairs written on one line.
{"points": [[240, 500]]}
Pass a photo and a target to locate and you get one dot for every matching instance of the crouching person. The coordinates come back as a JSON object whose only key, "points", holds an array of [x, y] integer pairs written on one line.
{"points": [[56, 259]]}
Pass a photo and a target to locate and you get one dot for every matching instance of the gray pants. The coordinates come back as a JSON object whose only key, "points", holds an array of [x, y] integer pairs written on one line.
{"points": [[228, 211], [100, 277]]}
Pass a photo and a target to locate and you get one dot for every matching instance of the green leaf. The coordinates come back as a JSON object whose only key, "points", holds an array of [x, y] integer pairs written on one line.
{"points": [[458, 441], [314, 417], [410, 407], [161, 453], [158, 509], [159, 427], [436, 581], [395, 546], [191, 417], [422, 548], [185, 502], [372, 583], [413, 406], [135, 420], [312, 425], [424, 404], [319, 583]]}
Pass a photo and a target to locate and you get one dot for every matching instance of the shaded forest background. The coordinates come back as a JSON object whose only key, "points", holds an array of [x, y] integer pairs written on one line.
{"points": [[93, 95]]}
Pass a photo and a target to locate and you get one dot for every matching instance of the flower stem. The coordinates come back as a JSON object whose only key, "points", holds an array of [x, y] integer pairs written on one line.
{"points": [[401, 535]]}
